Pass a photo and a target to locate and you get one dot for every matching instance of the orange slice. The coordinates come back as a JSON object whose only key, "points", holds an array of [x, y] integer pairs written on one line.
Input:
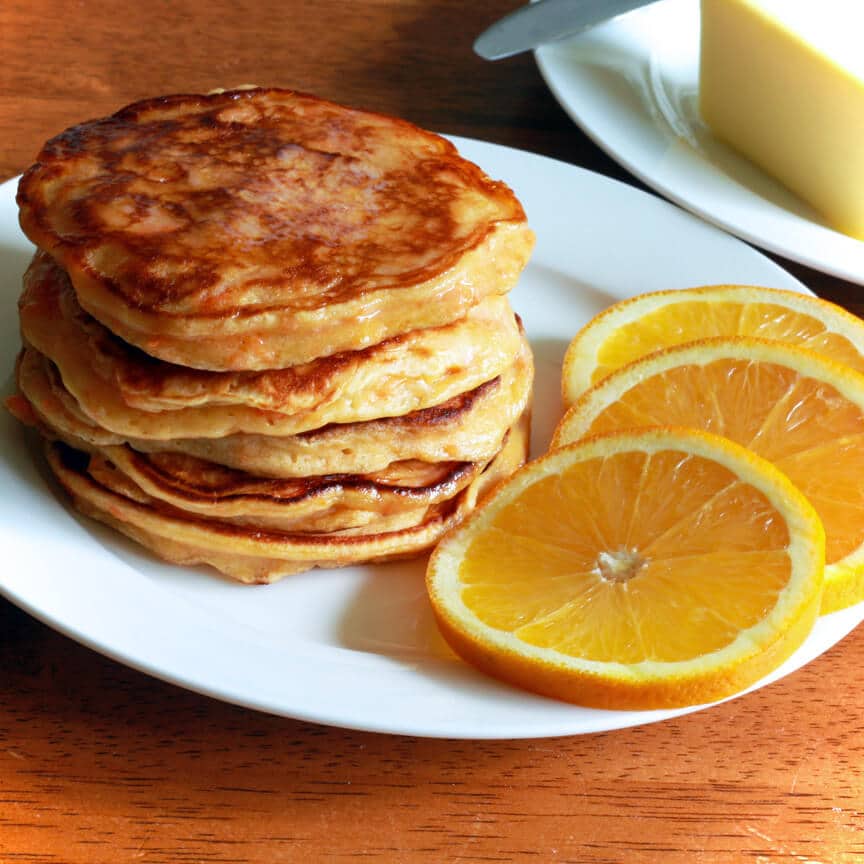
{"points": [[661, 568], [644, 324], [794, 407]]}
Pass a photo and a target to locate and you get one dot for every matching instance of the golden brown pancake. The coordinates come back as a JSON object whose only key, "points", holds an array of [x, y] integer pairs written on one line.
{"points": [[263, 228], [399, 494], [131, 394], [255, 555], [268, 333], [403, 496], [468, 428]]}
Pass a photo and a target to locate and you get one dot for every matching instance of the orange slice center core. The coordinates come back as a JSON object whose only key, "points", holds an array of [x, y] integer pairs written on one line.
{"points": [[619, 566]]}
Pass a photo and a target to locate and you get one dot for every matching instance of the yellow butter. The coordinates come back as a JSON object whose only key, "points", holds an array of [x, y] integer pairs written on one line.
{"points": [[782, 81]]}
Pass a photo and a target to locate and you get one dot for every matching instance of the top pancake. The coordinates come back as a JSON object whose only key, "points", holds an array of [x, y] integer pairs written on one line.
{"points": [[263, 228]]}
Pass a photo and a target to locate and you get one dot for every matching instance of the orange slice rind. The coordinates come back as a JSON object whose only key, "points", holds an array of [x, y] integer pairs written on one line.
{"points": [[653, 569], [649, 322], [792, 406]]}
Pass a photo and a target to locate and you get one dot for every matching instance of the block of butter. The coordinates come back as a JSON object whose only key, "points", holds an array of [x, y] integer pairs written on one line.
{"points": [[782, 81]]}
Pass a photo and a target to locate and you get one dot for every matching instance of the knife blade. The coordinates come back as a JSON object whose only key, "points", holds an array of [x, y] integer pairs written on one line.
{"points": [[533, 25]]}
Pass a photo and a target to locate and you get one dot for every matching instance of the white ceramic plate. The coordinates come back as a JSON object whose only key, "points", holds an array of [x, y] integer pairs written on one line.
{"points": [[632, 85], [356, 647]]}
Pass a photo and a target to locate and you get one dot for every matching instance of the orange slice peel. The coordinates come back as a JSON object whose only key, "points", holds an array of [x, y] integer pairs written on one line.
{"points": [[650, 322], [795, 407], [660, 568]]}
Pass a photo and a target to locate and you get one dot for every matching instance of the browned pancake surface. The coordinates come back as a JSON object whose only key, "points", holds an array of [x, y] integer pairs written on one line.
{"points": [[406, 494], [260, 228], [254, 555], [127, 392], [467, 428]]}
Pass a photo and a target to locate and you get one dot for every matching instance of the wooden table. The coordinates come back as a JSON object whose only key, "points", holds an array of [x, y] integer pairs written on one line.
{"points": [[99, 763]]}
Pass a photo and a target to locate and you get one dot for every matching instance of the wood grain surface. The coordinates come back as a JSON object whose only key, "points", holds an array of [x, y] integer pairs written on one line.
{"points": [[99, 763]]}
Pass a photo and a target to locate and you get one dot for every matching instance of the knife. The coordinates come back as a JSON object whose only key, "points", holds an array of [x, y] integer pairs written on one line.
{"points": [[547, 21]]}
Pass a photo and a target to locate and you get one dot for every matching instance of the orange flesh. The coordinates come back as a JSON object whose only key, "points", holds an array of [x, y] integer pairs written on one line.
{"points": [[630, 557], [686, 321], [806, 428]]}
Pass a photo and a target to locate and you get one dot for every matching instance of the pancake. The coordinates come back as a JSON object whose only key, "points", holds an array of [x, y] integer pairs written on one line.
{"points": [[262, 228], [267, 333], [131, 394], [260, 556], [401, 497], [469, 428]]}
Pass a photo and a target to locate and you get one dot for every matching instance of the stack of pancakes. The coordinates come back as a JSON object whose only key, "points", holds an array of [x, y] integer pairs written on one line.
{"points": [[266, 332]]}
